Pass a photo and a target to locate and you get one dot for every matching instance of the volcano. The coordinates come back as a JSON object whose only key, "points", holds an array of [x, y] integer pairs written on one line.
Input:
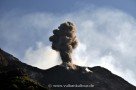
{"points": [[17, 75]]}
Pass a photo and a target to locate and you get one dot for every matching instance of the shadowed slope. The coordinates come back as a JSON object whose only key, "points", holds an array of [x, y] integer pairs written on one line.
{"points": [[60, 77]]}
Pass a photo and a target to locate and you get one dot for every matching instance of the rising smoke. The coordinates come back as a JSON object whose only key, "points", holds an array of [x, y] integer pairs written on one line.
{"points": [[64, 40]]}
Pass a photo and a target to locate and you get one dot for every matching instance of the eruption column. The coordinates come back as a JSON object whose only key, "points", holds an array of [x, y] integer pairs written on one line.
{"points": [[64, 40]]}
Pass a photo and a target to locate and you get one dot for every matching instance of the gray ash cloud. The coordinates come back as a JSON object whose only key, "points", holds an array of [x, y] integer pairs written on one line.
{"points": [[64, 40]]}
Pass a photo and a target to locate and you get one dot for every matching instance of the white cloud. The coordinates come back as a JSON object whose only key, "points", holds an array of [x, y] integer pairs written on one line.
{"points": [[43, 56], [107, 39]]}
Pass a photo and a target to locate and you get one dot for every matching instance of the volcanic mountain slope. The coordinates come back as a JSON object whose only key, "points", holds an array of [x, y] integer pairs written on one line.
{"points": [[17, 75]]}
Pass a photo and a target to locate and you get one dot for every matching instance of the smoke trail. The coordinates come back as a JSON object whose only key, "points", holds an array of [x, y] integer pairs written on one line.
{"points": [[64, 40]]}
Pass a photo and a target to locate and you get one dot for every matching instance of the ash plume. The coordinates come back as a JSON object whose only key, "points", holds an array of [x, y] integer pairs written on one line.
{"points": [[64, 40]]}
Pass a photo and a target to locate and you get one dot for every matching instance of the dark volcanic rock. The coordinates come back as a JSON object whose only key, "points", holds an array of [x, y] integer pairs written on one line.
{"points": [[14, 74]]}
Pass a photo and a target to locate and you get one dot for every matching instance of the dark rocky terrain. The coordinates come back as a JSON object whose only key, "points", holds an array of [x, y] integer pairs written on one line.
{"points": [[16, 75]]}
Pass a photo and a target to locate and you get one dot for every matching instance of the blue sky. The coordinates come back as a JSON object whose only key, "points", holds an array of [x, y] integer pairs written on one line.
{"points": [[64, 6], [61, 7], [106, 32]]}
